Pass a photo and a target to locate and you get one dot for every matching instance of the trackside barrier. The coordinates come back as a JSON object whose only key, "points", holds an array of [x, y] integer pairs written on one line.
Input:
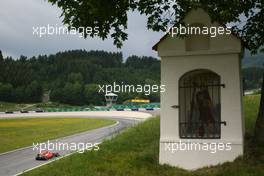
{"points": [[147, 107]]}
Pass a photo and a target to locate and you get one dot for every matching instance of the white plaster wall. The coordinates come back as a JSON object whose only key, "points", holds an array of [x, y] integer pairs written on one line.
{"points": [[228, 67], [172, 46]]}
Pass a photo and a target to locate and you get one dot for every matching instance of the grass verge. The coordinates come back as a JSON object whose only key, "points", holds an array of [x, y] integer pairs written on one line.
{"points": [[17, 133], [251, 107], [4, 106], [11, 106], [135, 153]]}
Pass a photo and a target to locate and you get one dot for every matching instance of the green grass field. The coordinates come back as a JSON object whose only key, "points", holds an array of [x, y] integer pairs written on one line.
{"points": [[17, 133], [251, 107], [11, 106], [135, 153], [4, 106]]}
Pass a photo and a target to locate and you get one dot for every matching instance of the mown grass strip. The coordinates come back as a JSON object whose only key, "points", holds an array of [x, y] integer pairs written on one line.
{"points": [[18, 133]]}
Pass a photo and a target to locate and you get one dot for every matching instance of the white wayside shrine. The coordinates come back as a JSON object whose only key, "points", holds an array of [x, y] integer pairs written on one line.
{"points": [[201, 109]]}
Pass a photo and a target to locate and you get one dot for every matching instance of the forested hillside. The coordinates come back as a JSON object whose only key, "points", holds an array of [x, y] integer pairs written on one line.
{"points": [[253, 69], [73, 76], [253, 60], [252, 77]]}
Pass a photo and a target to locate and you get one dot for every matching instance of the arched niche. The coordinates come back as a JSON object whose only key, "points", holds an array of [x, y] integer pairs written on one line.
{"points": [[200, 107]]}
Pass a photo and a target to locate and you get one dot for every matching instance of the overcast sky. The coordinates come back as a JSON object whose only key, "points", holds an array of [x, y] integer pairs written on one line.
{"points": [[18, 17]]}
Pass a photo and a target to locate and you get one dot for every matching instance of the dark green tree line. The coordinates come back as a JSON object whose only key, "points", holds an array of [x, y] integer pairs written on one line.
{"points": [[72, 77]]}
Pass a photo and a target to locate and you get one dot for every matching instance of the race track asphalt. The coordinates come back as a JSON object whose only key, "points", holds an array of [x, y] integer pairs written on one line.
{"points": [[22, 160]]}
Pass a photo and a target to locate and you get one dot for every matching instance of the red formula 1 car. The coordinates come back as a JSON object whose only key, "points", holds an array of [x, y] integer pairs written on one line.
{"points": [[46, 155]]}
